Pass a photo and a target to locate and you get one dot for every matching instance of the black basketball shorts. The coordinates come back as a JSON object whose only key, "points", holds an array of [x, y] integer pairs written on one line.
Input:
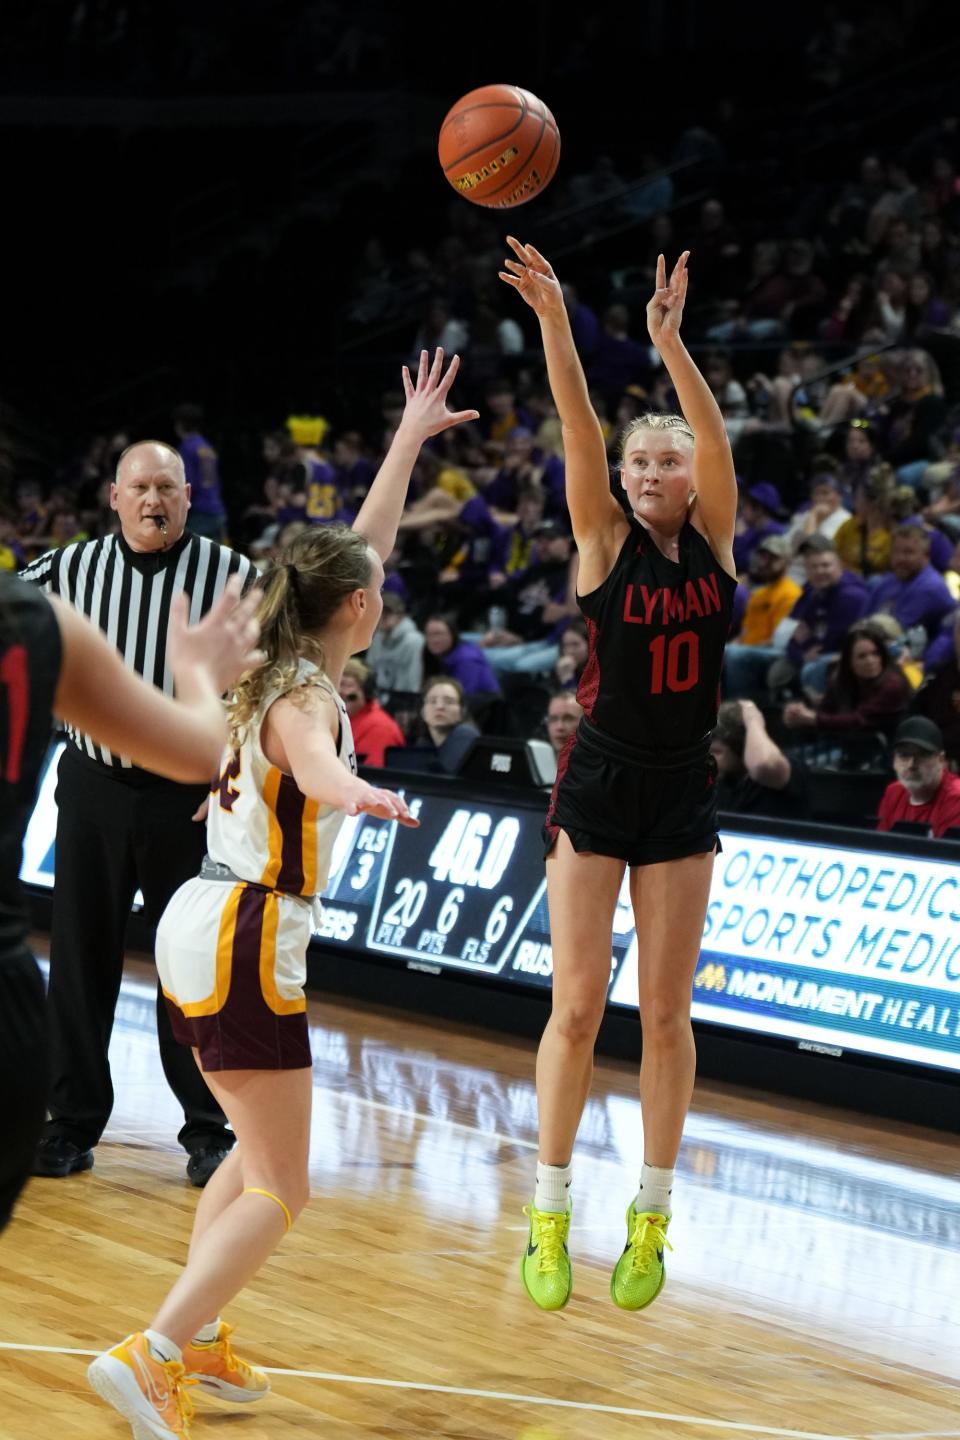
{"points": [[637, 805]]}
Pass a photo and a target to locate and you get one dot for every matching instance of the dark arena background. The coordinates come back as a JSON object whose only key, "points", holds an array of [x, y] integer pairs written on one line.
{"points": [[238, 208]]}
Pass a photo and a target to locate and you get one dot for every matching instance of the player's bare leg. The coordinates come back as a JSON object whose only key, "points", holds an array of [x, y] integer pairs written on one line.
{"points": [[582, 894], [669, 904]]}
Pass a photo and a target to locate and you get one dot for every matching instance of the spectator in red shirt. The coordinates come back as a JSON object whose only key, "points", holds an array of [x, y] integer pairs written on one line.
{"points": [[925, 791], [373, 729]]}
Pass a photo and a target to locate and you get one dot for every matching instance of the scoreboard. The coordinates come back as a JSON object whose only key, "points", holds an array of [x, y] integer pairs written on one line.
{"points": [[466, 891], [834, 942]]}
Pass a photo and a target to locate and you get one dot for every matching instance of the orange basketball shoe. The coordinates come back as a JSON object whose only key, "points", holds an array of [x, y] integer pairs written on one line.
{"points": [[150, 1393], [219, 1372]]}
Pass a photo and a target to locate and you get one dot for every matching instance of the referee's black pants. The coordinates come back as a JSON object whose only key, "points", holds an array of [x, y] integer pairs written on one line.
{"points": [[115, 831]]}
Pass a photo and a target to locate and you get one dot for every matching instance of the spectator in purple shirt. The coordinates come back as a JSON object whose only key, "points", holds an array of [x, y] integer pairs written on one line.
{"points": [[619, 360], [478, 567], [758, 505], [832, 599], [914, 593], [444, 653], [904, 508], [207, 515], [354, 469]]}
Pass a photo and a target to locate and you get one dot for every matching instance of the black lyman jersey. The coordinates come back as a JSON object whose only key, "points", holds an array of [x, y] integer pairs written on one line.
{"points": [[657, 629]]}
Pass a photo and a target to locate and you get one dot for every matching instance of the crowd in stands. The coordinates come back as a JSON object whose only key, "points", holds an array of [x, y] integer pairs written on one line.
{"points": [[835, 358]]}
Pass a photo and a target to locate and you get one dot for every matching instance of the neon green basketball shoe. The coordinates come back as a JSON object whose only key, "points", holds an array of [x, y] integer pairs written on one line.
{"points": [[545, 1268], [640, 1273]]}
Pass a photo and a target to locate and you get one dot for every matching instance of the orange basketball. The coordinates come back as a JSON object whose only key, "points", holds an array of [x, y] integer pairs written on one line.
{"points": [[499, 146]]}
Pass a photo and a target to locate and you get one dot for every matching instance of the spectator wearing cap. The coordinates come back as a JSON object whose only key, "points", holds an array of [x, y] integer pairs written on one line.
{"points": [[754, 776], [748, 659], [904, 509], [863, 541], [395, 654], [758, 506], [925, 792], [914, 592], [372, 728], [939, 696], [832, 599]]}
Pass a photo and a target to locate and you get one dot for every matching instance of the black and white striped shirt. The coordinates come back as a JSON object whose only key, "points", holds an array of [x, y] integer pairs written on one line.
{"points": [[128, 593]]}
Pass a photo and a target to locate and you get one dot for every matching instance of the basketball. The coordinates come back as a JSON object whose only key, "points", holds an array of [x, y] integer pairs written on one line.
{"points": [[499, 146]]}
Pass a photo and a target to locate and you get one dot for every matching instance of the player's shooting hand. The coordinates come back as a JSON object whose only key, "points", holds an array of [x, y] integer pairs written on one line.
{"points": [[426, 408], [223, 644], [533, 277], [665, 310]]}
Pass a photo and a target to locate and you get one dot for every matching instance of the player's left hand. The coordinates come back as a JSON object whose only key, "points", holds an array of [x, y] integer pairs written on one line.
{"points": [[427, 399], [665, 310]]}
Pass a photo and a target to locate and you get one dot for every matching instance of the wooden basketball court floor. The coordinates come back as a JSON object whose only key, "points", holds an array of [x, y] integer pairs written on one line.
{"points": [[814, 1289]]}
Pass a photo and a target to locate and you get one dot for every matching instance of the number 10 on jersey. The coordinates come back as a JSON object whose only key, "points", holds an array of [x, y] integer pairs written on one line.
{"points": [[675, 661]]}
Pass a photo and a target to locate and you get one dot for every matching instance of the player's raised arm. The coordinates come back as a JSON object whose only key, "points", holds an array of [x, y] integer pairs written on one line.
{"points": [[425, 414], [592, 508], [715, 480]]}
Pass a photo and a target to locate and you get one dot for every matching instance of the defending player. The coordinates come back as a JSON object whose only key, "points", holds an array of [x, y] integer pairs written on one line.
{"points": [[635, 784], [231, 946]]}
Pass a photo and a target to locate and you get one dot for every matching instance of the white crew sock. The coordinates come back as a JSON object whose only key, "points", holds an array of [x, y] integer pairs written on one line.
{"points": [[162, 1348], [656, 1187], [553, 1187], [207, 1333]]}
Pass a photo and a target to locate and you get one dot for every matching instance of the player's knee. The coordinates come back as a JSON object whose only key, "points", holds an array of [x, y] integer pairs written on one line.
{"points": [[578, 1020], [664, 1020], [291, 1184]]}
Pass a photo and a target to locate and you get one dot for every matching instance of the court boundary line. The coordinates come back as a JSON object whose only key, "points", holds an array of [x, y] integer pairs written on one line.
{"points": [[507, 1396]]}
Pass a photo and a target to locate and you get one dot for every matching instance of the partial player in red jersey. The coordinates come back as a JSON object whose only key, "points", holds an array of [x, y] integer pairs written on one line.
{"points": [[635, 784]]}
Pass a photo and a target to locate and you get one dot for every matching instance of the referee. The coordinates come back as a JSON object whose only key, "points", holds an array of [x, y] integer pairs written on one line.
{"points": [[119, 827]]}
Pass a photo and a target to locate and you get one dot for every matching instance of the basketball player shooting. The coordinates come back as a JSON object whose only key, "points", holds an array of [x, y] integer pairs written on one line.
{"points": [[635, 784]]}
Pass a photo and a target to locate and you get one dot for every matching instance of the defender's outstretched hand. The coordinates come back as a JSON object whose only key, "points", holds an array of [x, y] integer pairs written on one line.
{"points": [[367, 799], [533, 277], [426, 407], [665, 310], [223, 644]]}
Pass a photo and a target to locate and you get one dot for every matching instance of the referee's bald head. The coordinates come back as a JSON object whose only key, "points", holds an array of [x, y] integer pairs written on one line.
{"points": [[151, 495]]}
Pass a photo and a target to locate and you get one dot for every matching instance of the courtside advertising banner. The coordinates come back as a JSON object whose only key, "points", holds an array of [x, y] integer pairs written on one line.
{"points": [[841, 949], [836, 949]]}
